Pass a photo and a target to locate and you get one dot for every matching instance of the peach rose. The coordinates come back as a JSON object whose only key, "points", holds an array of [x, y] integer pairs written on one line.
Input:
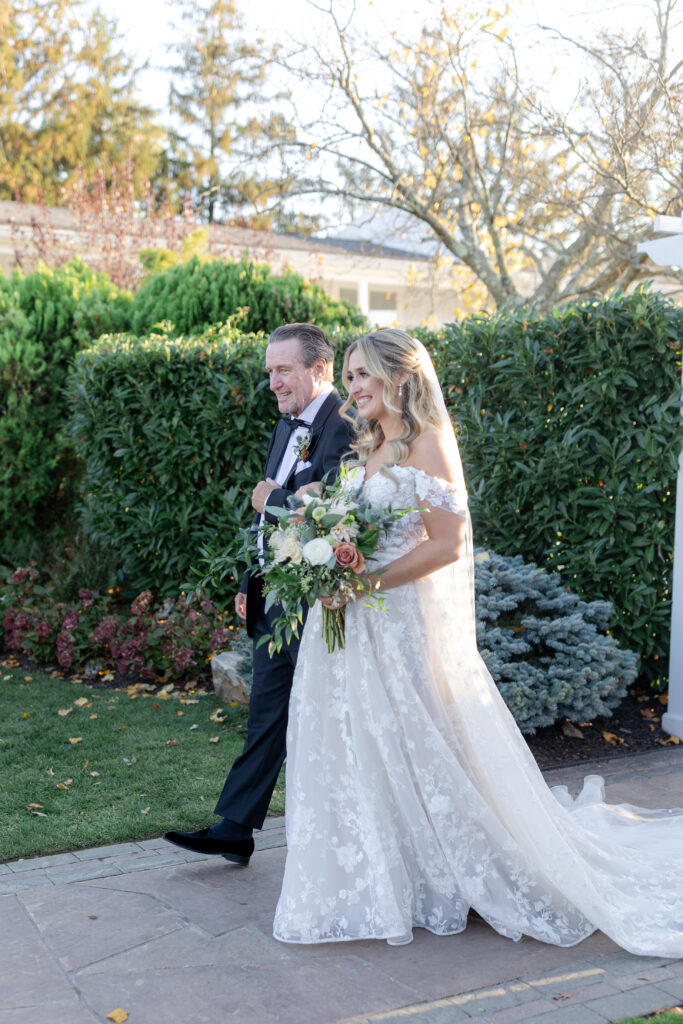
{"points": [[349, 557]]}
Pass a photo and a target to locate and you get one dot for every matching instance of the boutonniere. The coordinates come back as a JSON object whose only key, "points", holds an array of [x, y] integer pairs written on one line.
{"points": [[302, 448]]}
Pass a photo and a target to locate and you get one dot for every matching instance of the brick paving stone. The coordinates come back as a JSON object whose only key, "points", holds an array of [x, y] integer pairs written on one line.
{"points": [[270, 840], [113, 850], [516, 1014], [674, 986], [627, 963], [439, 1011], [572, 1015], [161, 860], [4, 869], [630, 1004], [82, 872], [499, 997], [278, 822], [153, 844], [17, 883], [581, 976], [38, 863]]}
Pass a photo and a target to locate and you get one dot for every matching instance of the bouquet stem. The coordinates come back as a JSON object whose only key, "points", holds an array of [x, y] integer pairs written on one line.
{"points": [[333, 627]]}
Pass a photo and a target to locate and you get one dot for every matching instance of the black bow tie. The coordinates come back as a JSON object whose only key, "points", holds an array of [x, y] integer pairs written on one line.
{"points": [[292, 424]]}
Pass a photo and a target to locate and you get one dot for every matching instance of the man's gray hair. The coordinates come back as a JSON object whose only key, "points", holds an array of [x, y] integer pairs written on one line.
{"points": [[313, 342]]}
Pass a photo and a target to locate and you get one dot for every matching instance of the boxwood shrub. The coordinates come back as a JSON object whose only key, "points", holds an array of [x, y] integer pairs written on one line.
{"points": [[45, 318], [172, 432], [198, 293]]}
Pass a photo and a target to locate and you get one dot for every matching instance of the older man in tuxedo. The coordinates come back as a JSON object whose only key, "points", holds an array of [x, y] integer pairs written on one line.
{"points": [[307, 443]]}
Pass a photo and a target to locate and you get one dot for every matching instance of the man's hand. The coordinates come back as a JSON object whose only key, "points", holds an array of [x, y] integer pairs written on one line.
{"points": [[241, 605], [259, 497], [315, 487]]}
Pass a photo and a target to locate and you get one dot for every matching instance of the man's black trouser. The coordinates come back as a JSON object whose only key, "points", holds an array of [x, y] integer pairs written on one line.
{"points": [[251, 781]]}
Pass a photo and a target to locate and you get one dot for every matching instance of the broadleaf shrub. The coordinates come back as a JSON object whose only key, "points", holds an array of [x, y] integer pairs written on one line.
{"points": [[45, 318], [172, 433], [571, 431], [200, 292], [547, 650]]}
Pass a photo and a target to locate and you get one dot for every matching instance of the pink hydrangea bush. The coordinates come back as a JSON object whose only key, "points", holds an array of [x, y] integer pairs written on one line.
{"points": [[153, 639]]}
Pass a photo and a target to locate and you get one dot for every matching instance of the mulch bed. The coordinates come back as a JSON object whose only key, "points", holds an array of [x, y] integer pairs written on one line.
{"points": [[634, 727]]}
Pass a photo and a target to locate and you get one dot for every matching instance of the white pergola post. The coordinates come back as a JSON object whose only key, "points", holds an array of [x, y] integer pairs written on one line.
{"points": [[668, 251]]}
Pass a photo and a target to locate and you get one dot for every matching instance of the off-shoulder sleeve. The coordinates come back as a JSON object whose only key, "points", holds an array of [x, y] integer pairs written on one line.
{"points": [[440, 493]]}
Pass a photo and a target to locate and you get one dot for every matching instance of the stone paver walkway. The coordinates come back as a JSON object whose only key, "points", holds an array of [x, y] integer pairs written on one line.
{"points": [[176, 938]]}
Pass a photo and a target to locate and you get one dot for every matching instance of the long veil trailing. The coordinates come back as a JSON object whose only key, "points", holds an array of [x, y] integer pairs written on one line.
{"points": [[412, 795]]}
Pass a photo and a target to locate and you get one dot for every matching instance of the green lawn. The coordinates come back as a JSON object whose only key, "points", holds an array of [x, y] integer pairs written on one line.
{"points": [[122, 780]]}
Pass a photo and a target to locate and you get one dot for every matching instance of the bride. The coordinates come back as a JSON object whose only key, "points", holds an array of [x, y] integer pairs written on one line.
{"points": [[411, 794]]}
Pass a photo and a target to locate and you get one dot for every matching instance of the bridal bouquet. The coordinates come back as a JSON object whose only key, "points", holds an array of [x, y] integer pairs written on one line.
{"points": [[320, 547]]}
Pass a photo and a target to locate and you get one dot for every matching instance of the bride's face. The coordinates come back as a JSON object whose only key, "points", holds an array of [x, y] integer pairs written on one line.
{"points": [[366, 391]]}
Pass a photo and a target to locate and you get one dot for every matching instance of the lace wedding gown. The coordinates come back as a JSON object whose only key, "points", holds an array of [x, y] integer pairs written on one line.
{"points": [[412, 796]]}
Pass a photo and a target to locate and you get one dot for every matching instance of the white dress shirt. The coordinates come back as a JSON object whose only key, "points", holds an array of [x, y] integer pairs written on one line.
{"points": [[289, 456]]}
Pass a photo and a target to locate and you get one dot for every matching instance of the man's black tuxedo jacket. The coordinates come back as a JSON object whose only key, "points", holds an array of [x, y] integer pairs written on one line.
{"points": [[330, 439]]}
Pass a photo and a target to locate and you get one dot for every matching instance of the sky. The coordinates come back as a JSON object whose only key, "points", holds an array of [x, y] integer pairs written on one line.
{"points": [[147, 29], [147, 26]]}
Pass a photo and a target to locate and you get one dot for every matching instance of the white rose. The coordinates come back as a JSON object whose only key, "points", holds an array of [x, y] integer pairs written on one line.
{"points": [[318, 551]]}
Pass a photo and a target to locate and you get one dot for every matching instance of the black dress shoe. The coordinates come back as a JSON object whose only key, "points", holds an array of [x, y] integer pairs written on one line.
{"points": [[237, 850]]}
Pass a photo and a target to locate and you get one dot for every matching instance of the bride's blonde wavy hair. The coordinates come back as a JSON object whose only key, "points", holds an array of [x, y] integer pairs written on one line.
{"points": [[388, 354]]}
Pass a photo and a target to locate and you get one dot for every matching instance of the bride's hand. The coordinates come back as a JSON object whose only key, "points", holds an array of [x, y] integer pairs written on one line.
{"points": [[314, 487], [354, 588]]}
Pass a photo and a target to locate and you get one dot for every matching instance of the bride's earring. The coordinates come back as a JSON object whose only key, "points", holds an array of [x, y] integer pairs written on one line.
{"points": [[400, 390]]}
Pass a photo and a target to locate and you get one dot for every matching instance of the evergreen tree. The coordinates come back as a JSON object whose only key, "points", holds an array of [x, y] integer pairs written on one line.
{"points": [[218, 78], [67, 99]]}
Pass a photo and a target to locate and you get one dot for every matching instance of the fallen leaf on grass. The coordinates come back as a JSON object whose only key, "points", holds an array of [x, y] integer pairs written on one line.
{"points": [[28, 678], [30, 807], [612, 738], [146, 810], [131, 760], [214, 739], [118, 1015], [193, 727], [75, 739], [157, 707], [49, 771], [65, 784], [93, 774], [92, 716], [216, 716], [184, 700], [63, 712], [25, 715], [162, 695], [39, 814], [172, 743], [180, 713], [82, 702]]}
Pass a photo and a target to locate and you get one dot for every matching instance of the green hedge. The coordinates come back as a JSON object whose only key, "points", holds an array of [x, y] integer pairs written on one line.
{"points": [[196, 294], [570, 433], [45, 318], [50, 315], [172, 432]]}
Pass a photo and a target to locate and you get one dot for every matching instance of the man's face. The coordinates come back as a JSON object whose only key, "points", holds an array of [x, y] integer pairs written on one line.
{"points": [[293, 384]]}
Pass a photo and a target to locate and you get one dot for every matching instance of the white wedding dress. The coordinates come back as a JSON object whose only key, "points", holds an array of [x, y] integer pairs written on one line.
{"points": [[412, 796]]}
